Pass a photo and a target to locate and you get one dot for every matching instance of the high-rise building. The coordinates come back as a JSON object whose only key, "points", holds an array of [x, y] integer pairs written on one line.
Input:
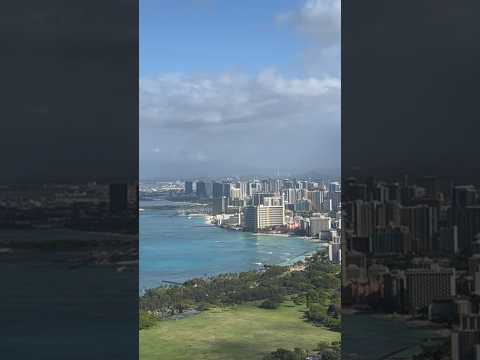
{"points": [[270, 216], [422, 221], [217, 190], [188, 187], [426, 285], [334, 186], [319, 223], [258, 198], [235, 193], [363, 217], [303, 205], [465, 338], [272, 201], [253, 188], [335, 197], [263, 216], [448, 240], [201, 189], [391, 240], [250, 218], [465, 195], [291, 195], [220, 205], [244, 189], [209, 189], [266, 186], [317, 199], [335, 251], [302, 185], [468, 222], [226, 189]]}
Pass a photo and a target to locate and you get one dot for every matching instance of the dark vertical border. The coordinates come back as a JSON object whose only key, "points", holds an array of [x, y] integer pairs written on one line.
{"points": [[69, 179], [410, 177]]}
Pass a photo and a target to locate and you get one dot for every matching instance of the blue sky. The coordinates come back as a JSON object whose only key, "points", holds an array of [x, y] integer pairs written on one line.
{"points": [[213, 36], [239, 87]]}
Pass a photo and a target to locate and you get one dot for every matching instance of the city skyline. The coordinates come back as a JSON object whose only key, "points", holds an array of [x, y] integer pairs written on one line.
{"points": [[204, 115], [326, 174], [297, 206]]}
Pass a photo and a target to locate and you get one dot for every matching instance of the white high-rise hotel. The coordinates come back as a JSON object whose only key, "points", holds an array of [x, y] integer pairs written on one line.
{"points": [[270, 214]]}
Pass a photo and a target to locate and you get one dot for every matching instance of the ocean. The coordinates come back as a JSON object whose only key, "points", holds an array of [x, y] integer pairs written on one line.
{"points": [[177, 248]]}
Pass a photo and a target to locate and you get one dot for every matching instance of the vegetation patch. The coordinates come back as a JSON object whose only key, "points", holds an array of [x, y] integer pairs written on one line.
{"points": [[237, 333], [249, 315]]}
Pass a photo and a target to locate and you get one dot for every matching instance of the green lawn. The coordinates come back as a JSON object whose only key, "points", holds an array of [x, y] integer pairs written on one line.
{"points": [[240, 333]]}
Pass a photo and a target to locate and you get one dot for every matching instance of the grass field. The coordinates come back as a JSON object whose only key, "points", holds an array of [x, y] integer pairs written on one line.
{"points": [[245, 332]]}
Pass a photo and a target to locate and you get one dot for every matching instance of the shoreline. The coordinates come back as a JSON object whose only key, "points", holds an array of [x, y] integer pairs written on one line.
{"points": [[291, 264], [304, 237], [272, 234], [299, 258], [209, 220], [290, 260]]}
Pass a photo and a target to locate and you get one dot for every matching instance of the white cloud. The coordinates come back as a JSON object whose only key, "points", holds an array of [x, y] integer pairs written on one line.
{"points": [[319, 18], [187, 101], [240, 122], [320, 22], [297, 87], [235, 122]]}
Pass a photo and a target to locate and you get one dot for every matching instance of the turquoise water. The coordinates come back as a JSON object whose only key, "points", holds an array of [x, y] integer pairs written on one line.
{"points": [[176, 248]]}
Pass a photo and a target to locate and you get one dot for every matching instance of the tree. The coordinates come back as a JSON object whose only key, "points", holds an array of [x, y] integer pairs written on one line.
{"points": [[146, 320], [283, 354], [269, 304], [316, 312]]}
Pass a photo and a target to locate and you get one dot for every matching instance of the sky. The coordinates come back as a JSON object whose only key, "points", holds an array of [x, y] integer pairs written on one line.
{"points": [[239, 88]]}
